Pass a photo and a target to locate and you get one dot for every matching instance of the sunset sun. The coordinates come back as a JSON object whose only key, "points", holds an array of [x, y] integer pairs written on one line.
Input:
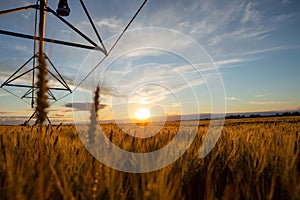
{"points": [[142, 114]]}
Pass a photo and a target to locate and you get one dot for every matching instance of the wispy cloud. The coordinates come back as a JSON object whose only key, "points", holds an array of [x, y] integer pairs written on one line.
{"points": [[266, 50], [262, 95], [153, 83], [226, 31], [268, 102], [232, 99], [281, 17], [3, 95], [233, 61], [111, 24], [251, 14]]}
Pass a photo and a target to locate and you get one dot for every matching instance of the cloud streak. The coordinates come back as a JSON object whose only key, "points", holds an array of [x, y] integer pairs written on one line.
{"points": [[80, 106], [223, 29], [261, 95], [268, 102], [232, 99]]}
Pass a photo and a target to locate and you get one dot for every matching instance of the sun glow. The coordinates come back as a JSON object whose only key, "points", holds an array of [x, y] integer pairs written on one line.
{"points": [[142, 114]]}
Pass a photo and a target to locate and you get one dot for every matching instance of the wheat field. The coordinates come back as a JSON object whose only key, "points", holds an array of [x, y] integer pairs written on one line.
{"points": [[253, 159]]}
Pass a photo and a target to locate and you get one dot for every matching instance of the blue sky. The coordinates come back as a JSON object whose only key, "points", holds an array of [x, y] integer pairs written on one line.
{"points": [[254, 44]]}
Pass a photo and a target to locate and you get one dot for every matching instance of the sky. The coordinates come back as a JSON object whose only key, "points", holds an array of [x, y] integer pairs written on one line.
{"points": [[169, 62]]}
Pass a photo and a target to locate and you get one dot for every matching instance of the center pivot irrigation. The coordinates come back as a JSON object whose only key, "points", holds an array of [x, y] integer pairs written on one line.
{"points": [[62, 10]]}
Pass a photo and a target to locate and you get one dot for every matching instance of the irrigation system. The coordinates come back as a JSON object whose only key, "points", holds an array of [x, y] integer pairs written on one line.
{"points": [[63, 10]]}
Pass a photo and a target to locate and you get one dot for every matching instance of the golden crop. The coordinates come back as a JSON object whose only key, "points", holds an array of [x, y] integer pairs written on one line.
{"points": [[253, 159]]}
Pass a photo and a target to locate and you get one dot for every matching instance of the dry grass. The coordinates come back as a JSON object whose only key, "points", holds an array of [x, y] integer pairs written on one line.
{"points": [[254, 159]]}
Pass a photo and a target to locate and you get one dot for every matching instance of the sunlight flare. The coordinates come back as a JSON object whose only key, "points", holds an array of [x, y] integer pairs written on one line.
{"points": [[142, 114]]}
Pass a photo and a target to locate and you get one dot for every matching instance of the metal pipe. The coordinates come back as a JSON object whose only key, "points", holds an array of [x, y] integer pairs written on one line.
{"points": [[94, 27], [29, 86], [43, 4], [17, 9], [72, 44]]}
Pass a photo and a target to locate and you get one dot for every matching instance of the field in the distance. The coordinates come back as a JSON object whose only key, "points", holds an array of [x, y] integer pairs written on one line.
{"points": [[253, 159]]}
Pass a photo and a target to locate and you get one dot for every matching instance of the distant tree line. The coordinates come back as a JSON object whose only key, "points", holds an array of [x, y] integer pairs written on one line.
{"points": [[259, 115]]}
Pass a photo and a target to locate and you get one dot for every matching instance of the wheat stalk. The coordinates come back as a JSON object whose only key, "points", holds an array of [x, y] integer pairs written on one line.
{"points": [[41, 115], [94, 116], [42, 103]]}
